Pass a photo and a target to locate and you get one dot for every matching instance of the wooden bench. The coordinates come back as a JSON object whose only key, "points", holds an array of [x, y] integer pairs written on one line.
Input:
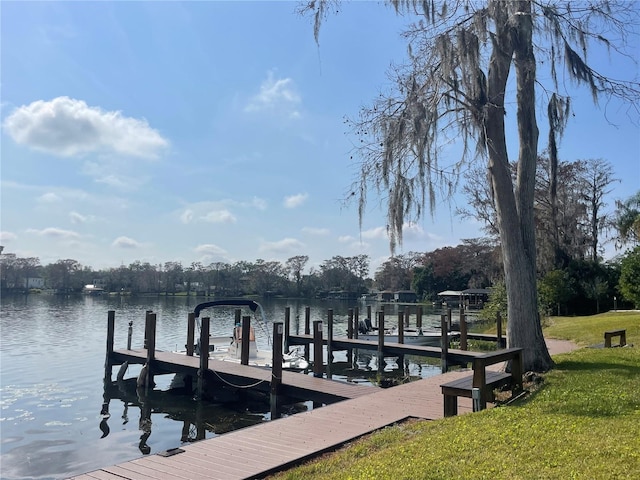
{"points": [[608, 335], [485, 381]]}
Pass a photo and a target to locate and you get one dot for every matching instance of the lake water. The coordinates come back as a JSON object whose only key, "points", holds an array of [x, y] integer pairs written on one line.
{"points": [[53, 421]]}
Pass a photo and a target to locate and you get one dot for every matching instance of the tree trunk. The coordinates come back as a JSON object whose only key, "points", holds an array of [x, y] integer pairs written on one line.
{"points": [[515, 209]]}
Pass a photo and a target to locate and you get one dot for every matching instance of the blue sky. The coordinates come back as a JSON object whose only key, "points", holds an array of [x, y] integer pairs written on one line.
{"points": [[213, 131]]}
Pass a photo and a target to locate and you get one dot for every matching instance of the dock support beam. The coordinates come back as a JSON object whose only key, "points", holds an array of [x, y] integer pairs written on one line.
{"points": [[111, 327], [287, 328], [317, 349], [307, 330], [204, 355], [245, 340], [380, 356], [444, 342], [463, 330], [276, 370], [150, 328]]}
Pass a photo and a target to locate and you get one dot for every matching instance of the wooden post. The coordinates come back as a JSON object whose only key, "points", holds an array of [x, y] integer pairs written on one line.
{"points": [[369, 314], [151, 348], [146, 333], [407, 316], [444, 343], [111, 328], [329, 335], [287, 328], [350, 334], [480, 382], [129, 335], [401, 327], [317, 349], [419, 317], [204, 355], [307, 331], [463, 332], [191, 331], [245, 340], [380, 341], [499, 330], [356, 321], [276, 370], [449, 319]]}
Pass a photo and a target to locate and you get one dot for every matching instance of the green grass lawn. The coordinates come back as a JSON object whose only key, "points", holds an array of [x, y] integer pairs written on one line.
{"points": [[584, 422]]}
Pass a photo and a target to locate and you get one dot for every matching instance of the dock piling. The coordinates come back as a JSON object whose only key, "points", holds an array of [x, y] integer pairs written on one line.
{"points": [[307, 330], [245, 340], [111, 327], [444, 342], [276, 370], [191, 329], [287, 327], [204, 355], [317, 349], [380, 353]]}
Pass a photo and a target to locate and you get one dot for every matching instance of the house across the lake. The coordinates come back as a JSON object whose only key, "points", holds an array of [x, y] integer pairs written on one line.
{"points": [[405, 296]]}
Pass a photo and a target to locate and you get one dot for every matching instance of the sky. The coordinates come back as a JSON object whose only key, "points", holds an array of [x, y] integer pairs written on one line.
{"points": [[214, 132]]}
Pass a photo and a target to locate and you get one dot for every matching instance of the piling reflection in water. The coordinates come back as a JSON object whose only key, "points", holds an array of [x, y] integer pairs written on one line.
{"points": [[197, 416]]}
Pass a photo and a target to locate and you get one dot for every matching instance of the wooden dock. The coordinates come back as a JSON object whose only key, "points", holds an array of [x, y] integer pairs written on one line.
{"points": [[260, 450], [293, 384], [257, 451]]}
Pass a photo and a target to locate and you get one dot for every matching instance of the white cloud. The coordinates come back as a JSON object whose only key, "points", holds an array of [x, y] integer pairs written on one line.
{"points": [[277, 95], [210, 249], [219, 216], [294, 201], [259, 203], [52, 232], [125, 242], [186, 216], [375, 233], [315, 231], [7, 237], [49, 197], [77, 218], [345, 238], [68, 127], [286, 245]]}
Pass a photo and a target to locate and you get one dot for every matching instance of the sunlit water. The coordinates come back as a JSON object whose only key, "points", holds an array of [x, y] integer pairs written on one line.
{"points": [[53, 423]]}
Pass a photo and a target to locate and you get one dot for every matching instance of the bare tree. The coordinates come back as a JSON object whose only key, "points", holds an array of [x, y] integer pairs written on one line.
{"points": [[598, 179], [456, 86]]}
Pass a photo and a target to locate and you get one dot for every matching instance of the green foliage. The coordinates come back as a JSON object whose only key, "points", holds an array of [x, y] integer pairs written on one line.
{"points": [[497, 304], [630, 276], [555, 290]]}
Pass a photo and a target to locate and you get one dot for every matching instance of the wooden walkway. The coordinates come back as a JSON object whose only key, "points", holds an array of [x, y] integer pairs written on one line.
{"points": [[257, 451]]}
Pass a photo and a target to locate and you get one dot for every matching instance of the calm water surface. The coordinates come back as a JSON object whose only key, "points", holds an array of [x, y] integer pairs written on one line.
{"points": [[53, 423]]}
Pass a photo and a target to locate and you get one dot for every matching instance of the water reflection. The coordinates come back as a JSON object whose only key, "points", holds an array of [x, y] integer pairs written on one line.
{"points": [[198, 417]]}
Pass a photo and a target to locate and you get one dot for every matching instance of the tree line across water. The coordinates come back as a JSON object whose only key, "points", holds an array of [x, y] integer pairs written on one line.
{"points": [[572, 279]]}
